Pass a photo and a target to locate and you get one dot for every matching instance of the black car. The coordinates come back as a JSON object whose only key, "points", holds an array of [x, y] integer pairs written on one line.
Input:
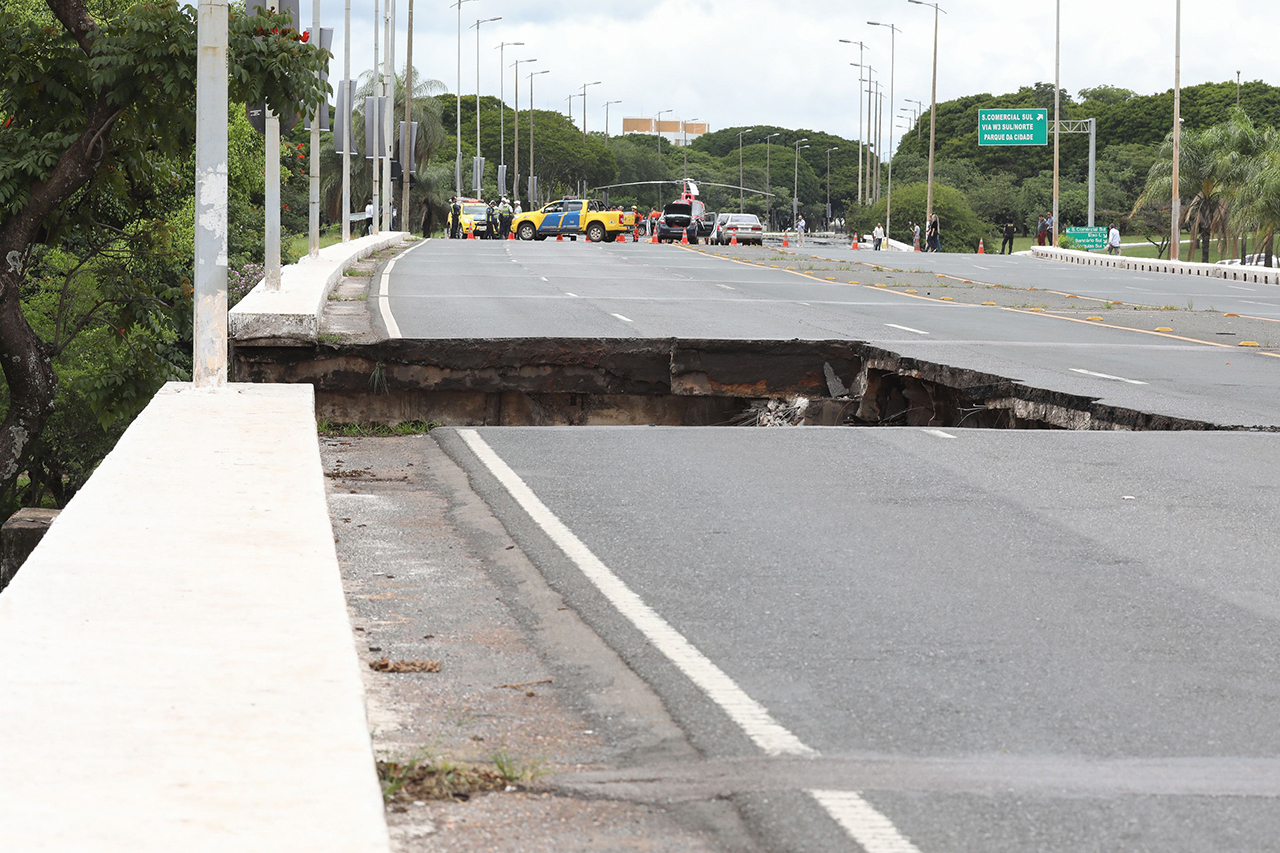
{"points": [[681, 219]]}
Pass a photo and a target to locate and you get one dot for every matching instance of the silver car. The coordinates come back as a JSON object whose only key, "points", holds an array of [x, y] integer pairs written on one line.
{"points": [[745, 226]]}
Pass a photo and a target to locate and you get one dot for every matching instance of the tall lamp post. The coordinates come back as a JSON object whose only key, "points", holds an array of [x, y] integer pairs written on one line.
{"points": [[866, 198], [502, 105], [479, 176], [457, 164], [933, 109], [740, 190], [888, 202], [861, 144], [917, 111], [209, 277], [684, 130], [795, 193], [607, 104], [768, 200], [658, 128], [584, 107], [829, 150], [515, 178], [1175, 223], [532, 201]]}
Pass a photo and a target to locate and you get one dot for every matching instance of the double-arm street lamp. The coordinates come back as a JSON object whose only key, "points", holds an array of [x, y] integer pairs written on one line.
{"points": [[740, 190], [861, 144], [795, 193], [888, 203], [933, 109]]}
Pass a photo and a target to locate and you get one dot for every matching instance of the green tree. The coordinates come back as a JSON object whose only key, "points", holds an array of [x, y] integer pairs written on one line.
{"points": [[97, 118], [959, 227]]}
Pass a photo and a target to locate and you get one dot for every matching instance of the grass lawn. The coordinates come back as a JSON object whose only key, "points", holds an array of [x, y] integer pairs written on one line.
{"points": [[296, 245]]}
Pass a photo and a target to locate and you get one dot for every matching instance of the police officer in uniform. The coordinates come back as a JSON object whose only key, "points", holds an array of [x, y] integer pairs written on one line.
{"points": [[455, 218], [504, 219]]}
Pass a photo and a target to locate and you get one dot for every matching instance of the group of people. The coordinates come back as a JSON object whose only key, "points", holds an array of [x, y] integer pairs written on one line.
{"points": [[499, 214], [368, 217], [1044, 229], [932, 235]]}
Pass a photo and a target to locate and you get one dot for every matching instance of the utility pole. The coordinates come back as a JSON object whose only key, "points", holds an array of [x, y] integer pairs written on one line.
{"points": [[1057, 107], [768, 183], [478, 176], [346, 123], [795, 192], [313, 164], [532, 201], [457, 163], [407, 136], [271, 196], [515, 184], [740, 190], [388, 128], [502, 107], [372, 145], [933, 110], [888, 202], [828, 211], [209, 282], [1175, 225], [861, 144]]}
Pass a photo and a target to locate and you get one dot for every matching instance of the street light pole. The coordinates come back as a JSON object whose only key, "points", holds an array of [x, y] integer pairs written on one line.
{"points": [[768, 183], [584, 107], [606, 116], [888, 203], [406, 137], [933, 109], [515, 182], [478, 176], [532, 200], [740, 190], [861, 144], [1057, 106], [829, 150], [795, 192], [209, 279], [684, 129], [1175, 224], [346, 123], [658, 128], [389, 94], [457, 163], [502, 98]]}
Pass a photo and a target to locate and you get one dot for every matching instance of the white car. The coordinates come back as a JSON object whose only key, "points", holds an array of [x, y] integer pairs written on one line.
{"points": [[745, 226]]}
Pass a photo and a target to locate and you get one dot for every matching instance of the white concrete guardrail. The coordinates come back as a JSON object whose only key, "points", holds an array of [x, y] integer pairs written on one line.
{"points": [[178, 671], [292, 313], [1228, 272]]}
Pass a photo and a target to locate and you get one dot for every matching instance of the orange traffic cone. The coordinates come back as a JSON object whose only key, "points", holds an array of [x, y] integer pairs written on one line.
{"points": [[855, 243], [981, 249], [559, 238], [511, 235], [684, 238], [733, 241], [786, 244], [471, 235], [655, 237], [917, 247]]}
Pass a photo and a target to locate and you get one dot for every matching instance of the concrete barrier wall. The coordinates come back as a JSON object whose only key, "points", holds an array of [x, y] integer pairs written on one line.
{"points": [[178, 666], [1248, 274], [292, 313]]}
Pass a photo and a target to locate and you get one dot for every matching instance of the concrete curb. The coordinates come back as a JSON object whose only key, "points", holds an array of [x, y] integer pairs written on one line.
{"points": [[1253, 275], [179, 671], [292, 313]]}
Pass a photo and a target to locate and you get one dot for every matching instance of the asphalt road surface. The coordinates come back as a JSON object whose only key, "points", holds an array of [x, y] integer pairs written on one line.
{"points": [[1156, 289], [926, 641], [481, 289]]}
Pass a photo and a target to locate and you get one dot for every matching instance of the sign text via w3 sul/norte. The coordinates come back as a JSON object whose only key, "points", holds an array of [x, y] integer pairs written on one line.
{"points": [[1013, 127]]}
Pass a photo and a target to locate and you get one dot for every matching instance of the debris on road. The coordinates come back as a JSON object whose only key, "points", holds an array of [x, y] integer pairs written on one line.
{"points": [[387, 665]]}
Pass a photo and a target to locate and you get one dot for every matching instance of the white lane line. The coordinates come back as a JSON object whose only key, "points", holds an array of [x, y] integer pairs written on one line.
{"points": [[906, 329], [939, 433], [544, 278], [1237, 287], [749, 714], [806, 304], [988, 269], [1139, 289], [875, 832], [1263, 304], [1106, 376], [726, 287], [624, 319], [384, 301], [574, 295]]}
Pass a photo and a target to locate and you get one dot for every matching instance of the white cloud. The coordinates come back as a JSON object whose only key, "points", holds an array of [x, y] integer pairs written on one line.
{"points": [[741, 62]]}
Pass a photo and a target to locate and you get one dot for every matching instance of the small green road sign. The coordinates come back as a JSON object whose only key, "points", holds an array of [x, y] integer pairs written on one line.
{"points": [[1013, 127], [1089, 238]]}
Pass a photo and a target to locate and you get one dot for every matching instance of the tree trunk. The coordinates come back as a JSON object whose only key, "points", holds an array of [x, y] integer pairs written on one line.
{"points": [[1271, 238], [1205, 239], [29, 374]]}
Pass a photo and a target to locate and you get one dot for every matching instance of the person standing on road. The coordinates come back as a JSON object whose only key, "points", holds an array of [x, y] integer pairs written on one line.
{"points": [[455, 218], [933, 236], [1006, 246], [877, 236], [1048, 230], [800, 230], [504, 219], [368, 216], [1040, 230], [1113, 239], [915, 236]]}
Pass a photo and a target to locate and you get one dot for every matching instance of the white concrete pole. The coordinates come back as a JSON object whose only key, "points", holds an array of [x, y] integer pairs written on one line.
{"points": [[346, 125], [209, 351], [893, 40], [372, 144], [1175, 223], [271, 200], [313, 203], [515, 181], [1057, 112], [408, 122], [388, 126], [1093, 166]]}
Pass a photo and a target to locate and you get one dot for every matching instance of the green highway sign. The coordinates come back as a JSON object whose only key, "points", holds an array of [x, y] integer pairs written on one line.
{"points": [[1013, 127], [1089, 238]]}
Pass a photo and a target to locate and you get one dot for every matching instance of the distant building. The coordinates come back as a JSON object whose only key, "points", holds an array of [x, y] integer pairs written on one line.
{"points": [[674, 131]]}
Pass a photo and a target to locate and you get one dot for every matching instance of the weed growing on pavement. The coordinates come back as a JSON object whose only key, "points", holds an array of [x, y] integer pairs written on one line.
{"points": [[328, 428], [330, 338], [424, 777], [515, 770]]}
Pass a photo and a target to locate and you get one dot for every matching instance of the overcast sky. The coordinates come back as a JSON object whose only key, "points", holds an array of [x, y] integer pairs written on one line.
{"points": [[741, 62]]}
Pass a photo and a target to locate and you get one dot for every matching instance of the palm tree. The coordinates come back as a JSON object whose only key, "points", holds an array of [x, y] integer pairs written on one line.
{"points": [[429, 190], [1259, 197]]}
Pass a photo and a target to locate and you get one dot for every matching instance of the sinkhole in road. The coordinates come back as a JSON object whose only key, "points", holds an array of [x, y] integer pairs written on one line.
{"points": [[679, 382]]}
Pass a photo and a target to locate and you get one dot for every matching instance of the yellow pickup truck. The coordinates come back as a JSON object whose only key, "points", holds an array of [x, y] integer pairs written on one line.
{"points": [[571, 217]]}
